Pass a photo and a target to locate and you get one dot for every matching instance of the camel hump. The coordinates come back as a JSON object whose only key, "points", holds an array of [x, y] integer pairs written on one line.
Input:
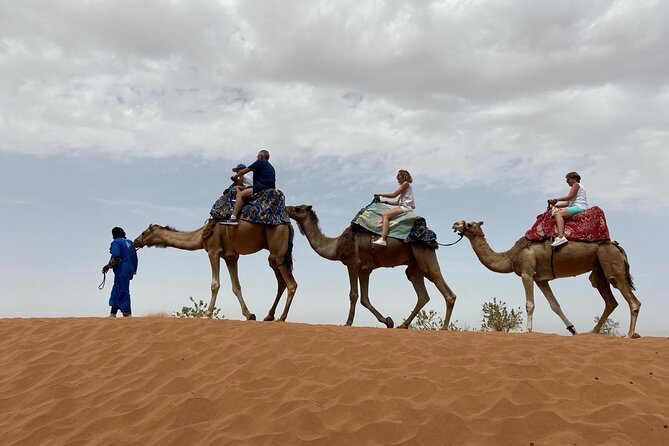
{"points": [[588, 226]]}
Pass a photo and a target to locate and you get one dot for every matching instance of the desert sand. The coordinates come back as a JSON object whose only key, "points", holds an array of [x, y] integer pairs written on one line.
{"points": [[159, 380]]}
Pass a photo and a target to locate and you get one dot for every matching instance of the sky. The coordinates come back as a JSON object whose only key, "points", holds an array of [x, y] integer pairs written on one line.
{"points": [[117, 113]]}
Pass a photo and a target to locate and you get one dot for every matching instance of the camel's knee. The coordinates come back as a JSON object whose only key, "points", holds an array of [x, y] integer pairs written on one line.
{"points": [[529, 307], [215, 286], [292, 288], [353, 296]]}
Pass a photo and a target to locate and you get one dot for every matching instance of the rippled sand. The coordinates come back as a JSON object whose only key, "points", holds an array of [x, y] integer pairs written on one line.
{"points": [[157, 381]]}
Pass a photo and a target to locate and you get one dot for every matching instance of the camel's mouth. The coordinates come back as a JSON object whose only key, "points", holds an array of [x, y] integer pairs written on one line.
{"points": [[458, 227]]}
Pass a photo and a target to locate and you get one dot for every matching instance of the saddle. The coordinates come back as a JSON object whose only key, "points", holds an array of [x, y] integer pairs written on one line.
{"points": [[588, 226]]}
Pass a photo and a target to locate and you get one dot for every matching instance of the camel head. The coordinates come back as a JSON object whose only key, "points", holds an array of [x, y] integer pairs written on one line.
{"points": [[301, 212], [150, 238], [469, 229]]}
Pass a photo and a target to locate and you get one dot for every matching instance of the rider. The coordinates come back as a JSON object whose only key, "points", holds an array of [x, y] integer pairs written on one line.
{"points": [[575, 202], [405, 203], [264, 177]]}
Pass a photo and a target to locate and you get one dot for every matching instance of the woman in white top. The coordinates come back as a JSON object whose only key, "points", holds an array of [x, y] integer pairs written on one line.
{"points": [[405, 202], [575, 202]]}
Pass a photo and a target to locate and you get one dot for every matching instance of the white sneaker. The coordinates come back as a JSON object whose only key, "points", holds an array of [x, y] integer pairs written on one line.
{"points": [[379, 241], [559, 241]]}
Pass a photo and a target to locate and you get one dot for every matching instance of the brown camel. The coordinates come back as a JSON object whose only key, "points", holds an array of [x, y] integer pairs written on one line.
{"points": [[229, 242], [354, 249], [537, 262]]}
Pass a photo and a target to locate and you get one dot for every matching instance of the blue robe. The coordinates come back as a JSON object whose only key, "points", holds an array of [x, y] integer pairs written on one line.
{"points": [[125, 251]]}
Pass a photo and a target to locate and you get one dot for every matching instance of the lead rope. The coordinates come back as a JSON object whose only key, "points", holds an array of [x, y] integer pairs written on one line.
{"points": [[451, 244], [104, 278]]}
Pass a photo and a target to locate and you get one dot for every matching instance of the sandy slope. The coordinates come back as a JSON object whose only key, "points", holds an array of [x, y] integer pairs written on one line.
{"points": [[162, 381]]}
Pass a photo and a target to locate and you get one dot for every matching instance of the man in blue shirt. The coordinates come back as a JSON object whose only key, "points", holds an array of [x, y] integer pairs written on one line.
{"points": [[124, 262], [264, 177]]}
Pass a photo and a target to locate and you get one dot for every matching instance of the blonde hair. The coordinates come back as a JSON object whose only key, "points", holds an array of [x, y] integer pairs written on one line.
{"points": [[405, 176]]}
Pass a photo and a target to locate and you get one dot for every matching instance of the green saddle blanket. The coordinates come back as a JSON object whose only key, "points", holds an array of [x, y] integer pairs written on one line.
{"points": [[370, 219]]}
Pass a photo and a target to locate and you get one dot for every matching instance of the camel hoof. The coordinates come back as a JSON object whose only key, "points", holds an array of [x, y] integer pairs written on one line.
{"points": [[269, 318], [251, 317], [635, 336], [403, 327], [389, 322], [571, 329]]}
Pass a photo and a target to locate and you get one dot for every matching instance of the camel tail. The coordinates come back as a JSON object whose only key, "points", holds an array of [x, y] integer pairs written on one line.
{"points": [[627, 265], [208, 229], [288, 260]]}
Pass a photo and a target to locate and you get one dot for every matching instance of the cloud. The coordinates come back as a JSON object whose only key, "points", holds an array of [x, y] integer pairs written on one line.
{"points": [[510, 94]]}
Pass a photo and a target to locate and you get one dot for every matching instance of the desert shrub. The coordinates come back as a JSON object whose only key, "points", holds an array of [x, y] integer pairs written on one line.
{"points": [[432, 321], [197, 309], [610, 327], [496, 317]]}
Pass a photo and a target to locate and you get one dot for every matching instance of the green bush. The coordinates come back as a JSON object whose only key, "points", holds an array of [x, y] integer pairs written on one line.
{"points": [[496, 317], [197, 309], [610, 327], [432, 321]]}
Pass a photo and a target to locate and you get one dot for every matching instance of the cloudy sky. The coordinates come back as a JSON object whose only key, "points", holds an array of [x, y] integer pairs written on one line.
{"points": [[126, 113]]}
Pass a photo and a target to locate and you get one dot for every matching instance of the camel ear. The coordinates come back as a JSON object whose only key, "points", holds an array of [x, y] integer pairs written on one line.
{"points": [[480, 223], [308, 207]]}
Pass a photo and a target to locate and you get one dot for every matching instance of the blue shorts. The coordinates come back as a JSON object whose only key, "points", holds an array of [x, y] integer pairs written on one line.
{"points": [[573, 210]]}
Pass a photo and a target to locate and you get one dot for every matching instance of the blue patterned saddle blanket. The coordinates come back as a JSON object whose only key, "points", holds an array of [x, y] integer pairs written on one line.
{"points": [[267, 207], [407, 227]]}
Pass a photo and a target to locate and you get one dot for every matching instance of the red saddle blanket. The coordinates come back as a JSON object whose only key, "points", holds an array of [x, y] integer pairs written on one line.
{"points": [[588, 226]]}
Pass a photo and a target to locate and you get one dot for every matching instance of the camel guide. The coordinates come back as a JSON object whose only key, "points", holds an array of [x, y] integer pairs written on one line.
{"points": [[124, 262]]}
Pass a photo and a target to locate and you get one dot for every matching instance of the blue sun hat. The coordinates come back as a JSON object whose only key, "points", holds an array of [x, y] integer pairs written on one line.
{"points": [[239, 167]]}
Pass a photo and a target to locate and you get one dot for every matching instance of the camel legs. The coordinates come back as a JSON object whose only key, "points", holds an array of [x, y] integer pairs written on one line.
{"points": [[616, 272], [415, 276], [634, 304], [555, 306], [281, 287], [353, 293], [231, 263], [528, 284], [291, 284], [215, 261], [433, 274], [364, 299], [598, 280]]}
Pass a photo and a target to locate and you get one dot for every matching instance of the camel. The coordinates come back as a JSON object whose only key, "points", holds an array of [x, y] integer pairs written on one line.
{"points": [[229, 242], [354, 249], [537, 262]]}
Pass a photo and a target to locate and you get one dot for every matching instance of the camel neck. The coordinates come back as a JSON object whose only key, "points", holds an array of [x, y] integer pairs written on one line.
{"points": [[190, 241], [494, 261], [324, 246]]}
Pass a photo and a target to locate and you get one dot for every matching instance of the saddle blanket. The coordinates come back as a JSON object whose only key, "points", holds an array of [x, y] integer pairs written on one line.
{"points": [[407, 227], [267, 207], [588, 226]]}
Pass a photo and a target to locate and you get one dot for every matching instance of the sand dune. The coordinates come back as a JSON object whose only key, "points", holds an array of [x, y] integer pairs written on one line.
{"points": [[157, 381]]}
